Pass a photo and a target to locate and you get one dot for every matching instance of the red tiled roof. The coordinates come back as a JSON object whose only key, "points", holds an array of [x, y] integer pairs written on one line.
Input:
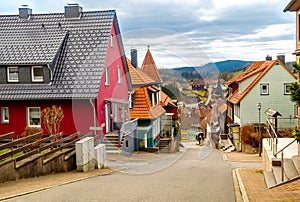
{"points": [[138, 77], [257, 68], [166, 100], [142, 107], [149, 67]]}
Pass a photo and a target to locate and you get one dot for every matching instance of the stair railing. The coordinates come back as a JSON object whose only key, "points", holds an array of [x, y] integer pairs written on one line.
{"points": [[282, 159], [127, 128], [273, 140]]}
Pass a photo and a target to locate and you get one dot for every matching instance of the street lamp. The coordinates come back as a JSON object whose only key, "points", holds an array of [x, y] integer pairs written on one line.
{"points": [[259, 131]]}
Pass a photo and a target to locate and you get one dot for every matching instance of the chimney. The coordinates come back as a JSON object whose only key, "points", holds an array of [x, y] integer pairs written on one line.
{"points": [[134, 59], [25, 12], [281, 57], [73, 11], [268, 58]]}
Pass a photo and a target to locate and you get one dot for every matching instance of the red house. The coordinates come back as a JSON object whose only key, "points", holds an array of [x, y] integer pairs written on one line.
{"points": [[73, 59]]}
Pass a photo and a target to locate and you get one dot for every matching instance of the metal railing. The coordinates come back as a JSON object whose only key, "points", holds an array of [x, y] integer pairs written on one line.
{"points": [[273, 143], [127, 128], [282, 159], [273, 140]]}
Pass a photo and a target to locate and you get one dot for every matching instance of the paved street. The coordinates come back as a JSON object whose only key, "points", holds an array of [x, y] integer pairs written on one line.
{"points": [[197, 174]]}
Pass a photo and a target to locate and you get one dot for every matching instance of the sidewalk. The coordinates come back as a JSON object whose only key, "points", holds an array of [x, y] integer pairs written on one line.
{"points": [[252, 184]]}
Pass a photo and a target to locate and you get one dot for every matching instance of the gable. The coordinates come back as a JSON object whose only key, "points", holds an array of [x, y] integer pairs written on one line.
{"points": [[276, 69]]}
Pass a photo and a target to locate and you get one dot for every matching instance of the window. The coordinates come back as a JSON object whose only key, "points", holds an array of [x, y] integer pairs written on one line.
{"points": [[236, 110], [287, 90], [37, 74], [264, 89], [34, 117], [131, 100], [5, 115], [112, 42], [119, 74], [12, 74], [107, 76]]}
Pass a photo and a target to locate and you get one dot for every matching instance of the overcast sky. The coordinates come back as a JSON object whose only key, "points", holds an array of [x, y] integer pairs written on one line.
{"points": [[192, 32]]}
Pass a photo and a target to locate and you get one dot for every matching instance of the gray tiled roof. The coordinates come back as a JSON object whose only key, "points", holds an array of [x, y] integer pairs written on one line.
{"points": [[75, 49]]}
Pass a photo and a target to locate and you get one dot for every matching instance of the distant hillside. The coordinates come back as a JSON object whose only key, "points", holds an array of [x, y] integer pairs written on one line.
{"points": [[205, 71], [223, 66]]}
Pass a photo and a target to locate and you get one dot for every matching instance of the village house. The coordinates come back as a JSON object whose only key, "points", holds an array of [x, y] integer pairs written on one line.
{"points": [[260, 83], [145, 102], [73, 59]]}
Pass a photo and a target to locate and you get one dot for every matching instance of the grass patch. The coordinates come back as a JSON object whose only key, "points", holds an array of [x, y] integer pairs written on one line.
{"points": [[3, 151], [260, 171]]}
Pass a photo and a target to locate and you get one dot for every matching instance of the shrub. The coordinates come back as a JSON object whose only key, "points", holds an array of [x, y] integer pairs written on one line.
{"points": [[30, 131], [246, 132]]}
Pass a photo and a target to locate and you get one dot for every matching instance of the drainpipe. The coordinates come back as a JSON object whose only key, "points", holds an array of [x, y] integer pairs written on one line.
{"points": [[51, 73], [94, 112]]}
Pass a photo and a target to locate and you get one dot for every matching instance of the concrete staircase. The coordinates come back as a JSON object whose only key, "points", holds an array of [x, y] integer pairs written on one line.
{"points": [[273, 165], [165, 145], [111, 141]]}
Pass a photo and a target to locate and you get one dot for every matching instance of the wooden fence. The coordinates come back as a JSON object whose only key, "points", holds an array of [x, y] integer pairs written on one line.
{"points": [[36, 155]]}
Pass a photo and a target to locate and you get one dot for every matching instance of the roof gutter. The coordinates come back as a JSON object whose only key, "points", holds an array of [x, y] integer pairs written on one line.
{"points": [[287, 8], [94, 113]]}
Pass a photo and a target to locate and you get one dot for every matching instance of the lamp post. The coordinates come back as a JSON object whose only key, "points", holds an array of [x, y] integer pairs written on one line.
{"points": [[259, 131]]}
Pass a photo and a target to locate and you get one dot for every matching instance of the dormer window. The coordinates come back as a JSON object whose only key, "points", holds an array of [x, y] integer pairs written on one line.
{"points": [[12, 74], [37, 74]]}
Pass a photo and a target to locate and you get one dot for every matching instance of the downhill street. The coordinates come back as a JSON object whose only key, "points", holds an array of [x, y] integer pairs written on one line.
{"points": [[196, 174]]}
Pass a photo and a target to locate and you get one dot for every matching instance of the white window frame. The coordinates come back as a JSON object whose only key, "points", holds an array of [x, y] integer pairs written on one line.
{"points": [[131, 100], [9, 74], [107, 80], [29, 117], [287, 91], [4, 115], [119, 74], [112, 41], [33, 77], [262, 91]]}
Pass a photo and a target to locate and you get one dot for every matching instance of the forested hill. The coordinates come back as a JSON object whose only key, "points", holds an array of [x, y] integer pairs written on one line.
{"points": [[223, 66], [205, 71]]}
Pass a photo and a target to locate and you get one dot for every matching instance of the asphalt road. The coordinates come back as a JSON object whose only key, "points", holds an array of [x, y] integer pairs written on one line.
{"points": [[198, 174]]}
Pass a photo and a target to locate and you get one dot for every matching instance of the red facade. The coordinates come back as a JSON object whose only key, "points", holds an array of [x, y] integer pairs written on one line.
{"points": [[78, 113]]}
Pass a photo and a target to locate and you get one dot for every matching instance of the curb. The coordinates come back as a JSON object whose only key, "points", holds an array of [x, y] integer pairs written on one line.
{"points": [[241, 194]]}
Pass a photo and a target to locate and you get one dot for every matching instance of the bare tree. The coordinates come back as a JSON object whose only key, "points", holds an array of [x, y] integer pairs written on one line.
{"points": [[52, 118]]}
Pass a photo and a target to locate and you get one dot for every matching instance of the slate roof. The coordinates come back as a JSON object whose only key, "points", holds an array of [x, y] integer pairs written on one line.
{"points": [[257, 69], [74, 48]]}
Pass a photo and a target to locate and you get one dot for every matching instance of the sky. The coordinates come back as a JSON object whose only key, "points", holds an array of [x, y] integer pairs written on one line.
{"points": [[191, 32]]}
